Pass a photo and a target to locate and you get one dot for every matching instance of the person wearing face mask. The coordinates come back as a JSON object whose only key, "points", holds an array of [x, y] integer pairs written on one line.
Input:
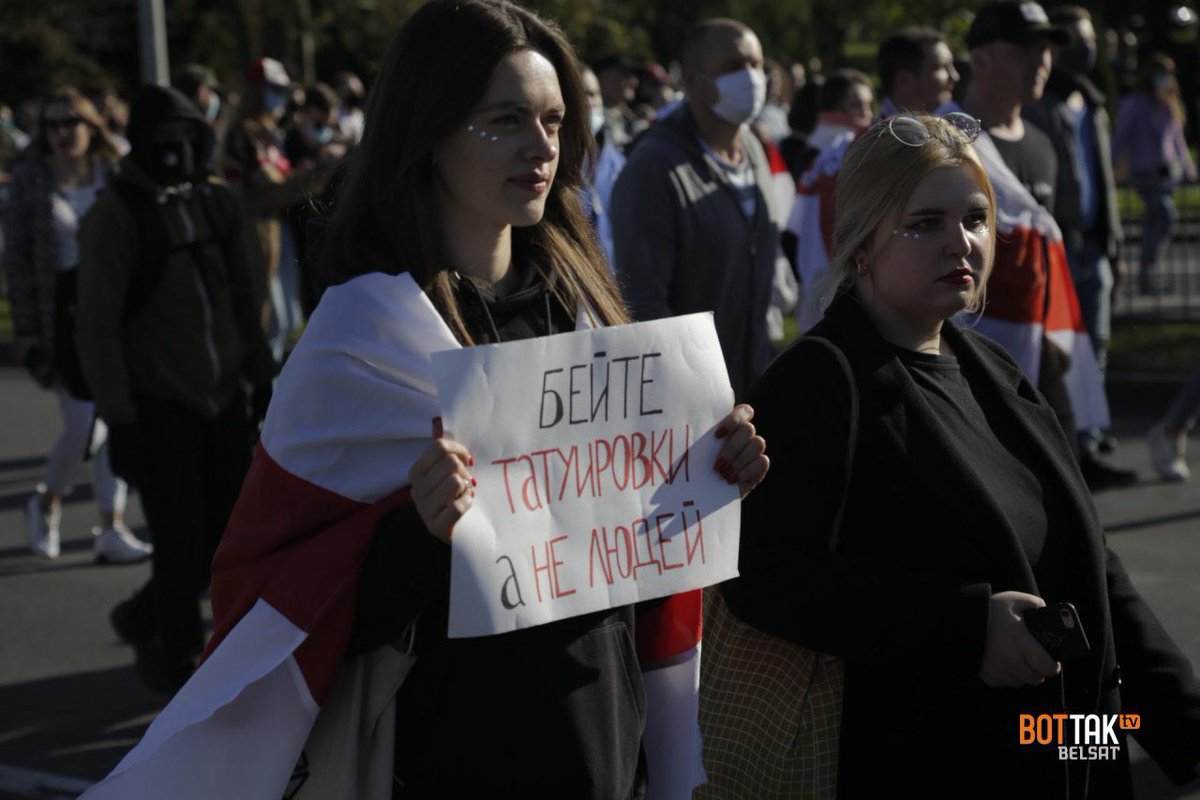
{"points": [[255, 165], [353, 94], [1032, 310], [1149, 150], [200, 85], [596, 193], [1072, 114], [845, 105], [168, 336], [916, 71], [618, 79], [457, 225], [695, 219], [313, 142]]}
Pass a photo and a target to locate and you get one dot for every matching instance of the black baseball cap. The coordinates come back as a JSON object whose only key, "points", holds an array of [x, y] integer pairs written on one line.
{"points": [[1016, 21], [617, 61]]}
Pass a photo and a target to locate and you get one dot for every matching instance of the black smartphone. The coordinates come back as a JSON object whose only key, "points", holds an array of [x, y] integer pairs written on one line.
{"points": [[1058, 629]]}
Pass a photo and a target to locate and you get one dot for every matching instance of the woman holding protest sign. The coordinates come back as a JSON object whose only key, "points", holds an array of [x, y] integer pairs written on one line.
{"points": [[932, 521], [458, 224]]}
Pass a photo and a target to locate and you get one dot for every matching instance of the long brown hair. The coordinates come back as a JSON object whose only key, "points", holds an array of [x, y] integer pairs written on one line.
{"points": [[102, 144], [436, 71], [1158, 63]]}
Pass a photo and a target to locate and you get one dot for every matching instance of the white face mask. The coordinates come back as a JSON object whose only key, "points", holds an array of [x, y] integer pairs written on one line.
{"points": [[740, 95], [596, 120]]}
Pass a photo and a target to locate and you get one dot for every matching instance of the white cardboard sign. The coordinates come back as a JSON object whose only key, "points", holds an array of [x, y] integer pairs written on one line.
{"points": [[594, 455]]}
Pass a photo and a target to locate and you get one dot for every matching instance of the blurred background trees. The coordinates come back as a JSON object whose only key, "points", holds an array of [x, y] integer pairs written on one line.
{"points": [[90, 42]]}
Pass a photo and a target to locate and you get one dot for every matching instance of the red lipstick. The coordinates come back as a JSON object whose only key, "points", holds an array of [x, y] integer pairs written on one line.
{"points": [[959, 277]]}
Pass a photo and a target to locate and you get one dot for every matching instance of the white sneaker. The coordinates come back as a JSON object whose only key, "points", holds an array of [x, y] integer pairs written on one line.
{"points": [[1167, 454], [118, 545], [41, 527]]}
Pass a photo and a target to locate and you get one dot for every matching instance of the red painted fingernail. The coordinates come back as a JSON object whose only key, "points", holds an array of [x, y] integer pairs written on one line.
{"points": [[721, 466], [474, 482], [470, 461], [437, 427]]}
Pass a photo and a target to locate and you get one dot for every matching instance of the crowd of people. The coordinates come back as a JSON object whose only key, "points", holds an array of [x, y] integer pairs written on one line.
{"points": [[949, 253]]}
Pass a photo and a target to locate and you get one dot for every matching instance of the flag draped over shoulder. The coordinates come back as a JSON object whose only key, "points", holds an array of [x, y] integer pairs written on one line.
{"points": [[352, 412], [1030, 294], [812, 217], [811, 221]]}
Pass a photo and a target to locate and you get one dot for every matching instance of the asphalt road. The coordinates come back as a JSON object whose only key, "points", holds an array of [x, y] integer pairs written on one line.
{"points": [[71, 706]]}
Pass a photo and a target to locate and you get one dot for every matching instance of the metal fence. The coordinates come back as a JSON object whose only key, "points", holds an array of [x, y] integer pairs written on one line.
{"points": [[1175, 293]]}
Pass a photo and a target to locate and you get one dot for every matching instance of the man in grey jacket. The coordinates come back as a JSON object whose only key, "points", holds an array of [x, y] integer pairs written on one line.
{"points": [[695, 223]]}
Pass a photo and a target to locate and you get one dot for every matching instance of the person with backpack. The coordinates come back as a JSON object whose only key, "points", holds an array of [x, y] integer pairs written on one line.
{"points": [[168, 335], [52, 188]]}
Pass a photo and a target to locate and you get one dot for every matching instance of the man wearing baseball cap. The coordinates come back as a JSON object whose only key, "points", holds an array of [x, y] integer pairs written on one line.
{"points": [[1032, 308], [1010, 57]]}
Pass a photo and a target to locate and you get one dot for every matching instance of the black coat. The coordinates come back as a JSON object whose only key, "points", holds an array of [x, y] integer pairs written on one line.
{"points": [[922, 547]]}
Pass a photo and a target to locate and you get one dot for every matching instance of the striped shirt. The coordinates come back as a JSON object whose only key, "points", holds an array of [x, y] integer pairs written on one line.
{"points": [[740, 178]]}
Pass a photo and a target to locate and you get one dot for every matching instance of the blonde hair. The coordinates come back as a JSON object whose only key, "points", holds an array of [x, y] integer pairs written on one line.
{"points": [[878, 176]]}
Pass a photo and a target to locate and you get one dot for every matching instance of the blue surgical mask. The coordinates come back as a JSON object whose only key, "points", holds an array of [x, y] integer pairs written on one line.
{"points": [[214, 107], [275, 101], [321, 133]]}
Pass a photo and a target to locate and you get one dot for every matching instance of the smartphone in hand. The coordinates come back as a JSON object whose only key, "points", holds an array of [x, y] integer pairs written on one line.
{"points": [[1058, 629]]}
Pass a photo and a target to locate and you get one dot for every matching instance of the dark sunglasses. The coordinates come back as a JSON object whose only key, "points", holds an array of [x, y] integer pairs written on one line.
{"points": [[65, 122]]}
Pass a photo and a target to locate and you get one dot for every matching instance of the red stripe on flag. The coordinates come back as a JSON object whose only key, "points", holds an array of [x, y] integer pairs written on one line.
{"points": [[670, 628], [775, 158], [1064, 313], [1016, 289], [300, 548]]}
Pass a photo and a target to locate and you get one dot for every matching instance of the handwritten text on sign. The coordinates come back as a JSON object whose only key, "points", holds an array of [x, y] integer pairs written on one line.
{"points": [[593, 454]]}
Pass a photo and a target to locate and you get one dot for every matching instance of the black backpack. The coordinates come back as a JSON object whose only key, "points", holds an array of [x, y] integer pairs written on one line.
{"points": [[155, 249]]}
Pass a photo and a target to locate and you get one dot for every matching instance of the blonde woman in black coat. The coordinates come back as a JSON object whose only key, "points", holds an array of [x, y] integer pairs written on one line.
{"points": [[964, 509]]}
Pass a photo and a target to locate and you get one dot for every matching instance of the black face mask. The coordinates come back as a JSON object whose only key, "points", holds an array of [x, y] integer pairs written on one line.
{"points": [[1078, 58], [172, 162]]}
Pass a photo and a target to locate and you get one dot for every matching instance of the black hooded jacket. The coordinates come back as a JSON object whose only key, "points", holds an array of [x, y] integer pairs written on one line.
{"points": [[155, 105], [196, 333]]}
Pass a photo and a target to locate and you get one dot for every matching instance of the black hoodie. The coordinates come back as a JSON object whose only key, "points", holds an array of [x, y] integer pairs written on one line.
{"points": [[154, 105]]}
